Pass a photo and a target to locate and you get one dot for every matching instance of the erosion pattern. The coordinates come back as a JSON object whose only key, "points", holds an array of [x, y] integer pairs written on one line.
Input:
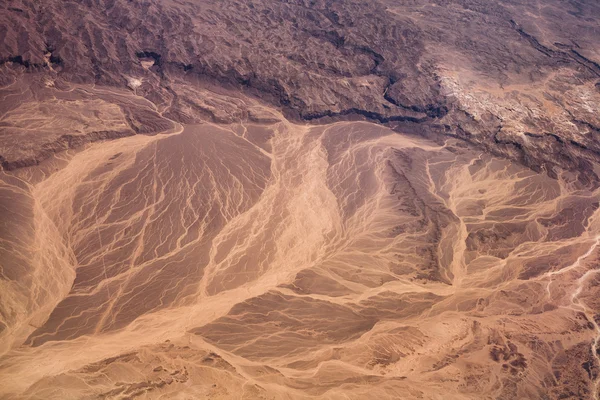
{"points": [[320, 199]]}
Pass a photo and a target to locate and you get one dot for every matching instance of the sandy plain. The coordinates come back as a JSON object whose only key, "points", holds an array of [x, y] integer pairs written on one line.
{"points": [[279, 260]]}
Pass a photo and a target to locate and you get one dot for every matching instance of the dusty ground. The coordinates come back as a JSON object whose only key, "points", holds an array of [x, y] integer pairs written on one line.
{"points": [[294, 200], [290, 261]]}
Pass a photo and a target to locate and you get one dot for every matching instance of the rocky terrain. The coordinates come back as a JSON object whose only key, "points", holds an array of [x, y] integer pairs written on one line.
{"points": [[517, 78], [299, 199]]}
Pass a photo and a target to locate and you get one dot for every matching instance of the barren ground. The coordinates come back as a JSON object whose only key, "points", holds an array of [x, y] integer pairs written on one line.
{"points": [[299, 200]]}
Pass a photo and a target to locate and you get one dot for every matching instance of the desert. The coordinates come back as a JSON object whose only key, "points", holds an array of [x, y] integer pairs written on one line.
{"points": [[299, 199]]}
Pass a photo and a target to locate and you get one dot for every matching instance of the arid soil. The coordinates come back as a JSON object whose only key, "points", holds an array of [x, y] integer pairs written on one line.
{"points": [[299, 199]]}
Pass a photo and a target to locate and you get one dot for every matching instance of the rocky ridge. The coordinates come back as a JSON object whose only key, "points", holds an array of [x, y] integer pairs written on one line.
{"points": [[457, 68]]}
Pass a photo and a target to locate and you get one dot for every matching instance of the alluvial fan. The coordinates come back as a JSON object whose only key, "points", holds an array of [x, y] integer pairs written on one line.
{"points": [[299, 199]]}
